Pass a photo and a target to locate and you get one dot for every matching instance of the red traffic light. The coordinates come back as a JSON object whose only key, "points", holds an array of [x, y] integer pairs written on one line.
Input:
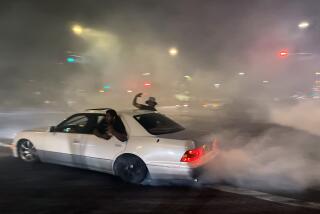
{"points": [[283, 53], [147, 84]]}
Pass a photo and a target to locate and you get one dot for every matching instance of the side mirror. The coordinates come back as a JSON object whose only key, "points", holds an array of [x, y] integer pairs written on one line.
{"points": [[52, 128]]}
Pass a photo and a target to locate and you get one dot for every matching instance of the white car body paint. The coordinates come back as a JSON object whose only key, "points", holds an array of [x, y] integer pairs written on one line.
{"points": [[161, 155]]}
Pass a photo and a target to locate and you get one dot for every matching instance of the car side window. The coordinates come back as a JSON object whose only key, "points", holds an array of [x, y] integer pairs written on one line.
{"points": [[100, 118], [75, 124], [118, 125]]}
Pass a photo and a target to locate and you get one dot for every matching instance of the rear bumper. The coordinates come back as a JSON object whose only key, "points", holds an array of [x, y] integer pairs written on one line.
{"points": [[197, 172], [184, 173], [182, 170], [170, 171]]}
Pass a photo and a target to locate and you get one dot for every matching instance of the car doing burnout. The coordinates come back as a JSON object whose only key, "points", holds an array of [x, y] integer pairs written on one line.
{"points": [[157, 147]]}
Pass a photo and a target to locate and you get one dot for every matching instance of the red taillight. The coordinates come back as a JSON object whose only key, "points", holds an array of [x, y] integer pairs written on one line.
{"points": [[192, 155]]}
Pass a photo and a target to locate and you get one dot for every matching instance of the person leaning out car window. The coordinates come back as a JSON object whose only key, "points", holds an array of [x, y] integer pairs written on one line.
{"points": [[111, 125]]}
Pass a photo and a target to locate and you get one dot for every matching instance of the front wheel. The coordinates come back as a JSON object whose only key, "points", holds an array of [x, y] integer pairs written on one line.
{"points": [[27, 152], [131, 169]]}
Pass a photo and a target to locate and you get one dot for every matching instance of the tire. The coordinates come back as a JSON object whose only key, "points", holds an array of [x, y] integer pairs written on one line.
{"points": [[27, 152], [131, 169]]}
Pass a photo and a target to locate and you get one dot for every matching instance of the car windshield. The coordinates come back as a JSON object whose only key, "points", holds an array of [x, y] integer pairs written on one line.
{"points": [[157, 124]]}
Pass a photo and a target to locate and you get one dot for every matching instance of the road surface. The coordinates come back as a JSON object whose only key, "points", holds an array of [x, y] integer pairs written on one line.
{"points": [[46, 188]]}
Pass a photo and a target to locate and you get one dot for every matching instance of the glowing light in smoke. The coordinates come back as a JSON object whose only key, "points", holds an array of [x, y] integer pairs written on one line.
{"points": [[303, 25], [265, 81], [147, 85], [146, 74], [241, 73], [217, 85], [283, 53], [129, 91], [173, 51], [182, 97], [71, 59], [188, 77], [77, 29]]}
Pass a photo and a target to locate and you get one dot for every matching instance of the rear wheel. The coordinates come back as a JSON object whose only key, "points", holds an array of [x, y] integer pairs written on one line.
{"points": [[131, 169], [27, 152]]}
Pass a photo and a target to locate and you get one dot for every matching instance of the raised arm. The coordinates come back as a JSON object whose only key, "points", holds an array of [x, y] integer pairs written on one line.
{"points": [[134, 102]]}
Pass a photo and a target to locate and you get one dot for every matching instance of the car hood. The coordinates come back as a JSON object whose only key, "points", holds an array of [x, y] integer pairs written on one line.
{"points": [[199, 137]]}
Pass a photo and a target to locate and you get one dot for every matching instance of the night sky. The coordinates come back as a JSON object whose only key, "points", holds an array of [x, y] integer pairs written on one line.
{"points": [[219, 37]]}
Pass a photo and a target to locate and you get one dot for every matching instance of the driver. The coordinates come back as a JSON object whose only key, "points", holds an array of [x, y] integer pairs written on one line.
{"points": [[110, 126]]}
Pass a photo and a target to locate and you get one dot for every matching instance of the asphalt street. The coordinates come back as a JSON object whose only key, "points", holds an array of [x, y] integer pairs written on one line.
{"points": [[46, 188]]}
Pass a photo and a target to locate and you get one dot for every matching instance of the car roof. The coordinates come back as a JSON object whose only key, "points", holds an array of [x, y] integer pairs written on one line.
{"points": [[130, 112]]}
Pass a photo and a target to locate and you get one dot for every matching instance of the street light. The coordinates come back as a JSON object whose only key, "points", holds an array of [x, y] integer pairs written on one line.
{"points": [[303, 25], [173, 51], [188, 77], [77, 29]]}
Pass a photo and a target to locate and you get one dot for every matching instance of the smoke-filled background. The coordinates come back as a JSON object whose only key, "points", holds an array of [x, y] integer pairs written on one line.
{"points": [[213, 59]]}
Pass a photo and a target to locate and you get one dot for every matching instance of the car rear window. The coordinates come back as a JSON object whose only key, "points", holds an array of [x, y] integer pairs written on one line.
{"points": [[157, 124]]}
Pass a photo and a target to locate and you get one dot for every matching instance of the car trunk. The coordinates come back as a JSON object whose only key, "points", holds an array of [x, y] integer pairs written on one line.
{"points": [[199, 137]]}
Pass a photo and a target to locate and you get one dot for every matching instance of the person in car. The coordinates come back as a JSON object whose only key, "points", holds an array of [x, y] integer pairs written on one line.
{"points": [[110, 126], [151, 103]]}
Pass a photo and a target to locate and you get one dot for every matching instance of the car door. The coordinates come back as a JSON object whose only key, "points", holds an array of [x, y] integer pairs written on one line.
{"points": [[63, 144], [99, 153]]}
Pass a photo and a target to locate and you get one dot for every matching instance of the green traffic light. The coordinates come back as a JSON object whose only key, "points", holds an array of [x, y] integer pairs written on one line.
{"points": [[71, 60]]}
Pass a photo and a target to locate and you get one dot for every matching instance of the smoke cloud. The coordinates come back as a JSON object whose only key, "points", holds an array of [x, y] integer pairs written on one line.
{"points": [[304, 115], [279, 155], [123, 41]]}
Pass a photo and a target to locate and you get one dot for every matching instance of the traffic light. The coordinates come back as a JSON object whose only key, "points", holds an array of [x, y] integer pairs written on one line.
{"points": [[106, 87], [147, 85], [71, 59], [283, 53]]}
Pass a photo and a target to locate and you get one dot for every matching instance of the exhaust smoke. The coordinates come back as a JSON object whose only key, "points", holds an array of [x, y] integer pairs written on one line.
{"points": [[277, 158]]}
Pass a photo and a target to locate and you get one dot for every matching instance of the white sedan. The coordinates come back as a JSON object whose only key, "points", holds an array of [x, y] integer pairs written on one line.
{"points": [[157, 147]]}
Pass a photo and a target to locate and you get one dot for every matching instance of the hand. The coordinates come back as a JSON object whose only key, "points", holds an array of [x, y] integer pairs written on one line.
{"points": [[139, 95], [110, 130]]}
